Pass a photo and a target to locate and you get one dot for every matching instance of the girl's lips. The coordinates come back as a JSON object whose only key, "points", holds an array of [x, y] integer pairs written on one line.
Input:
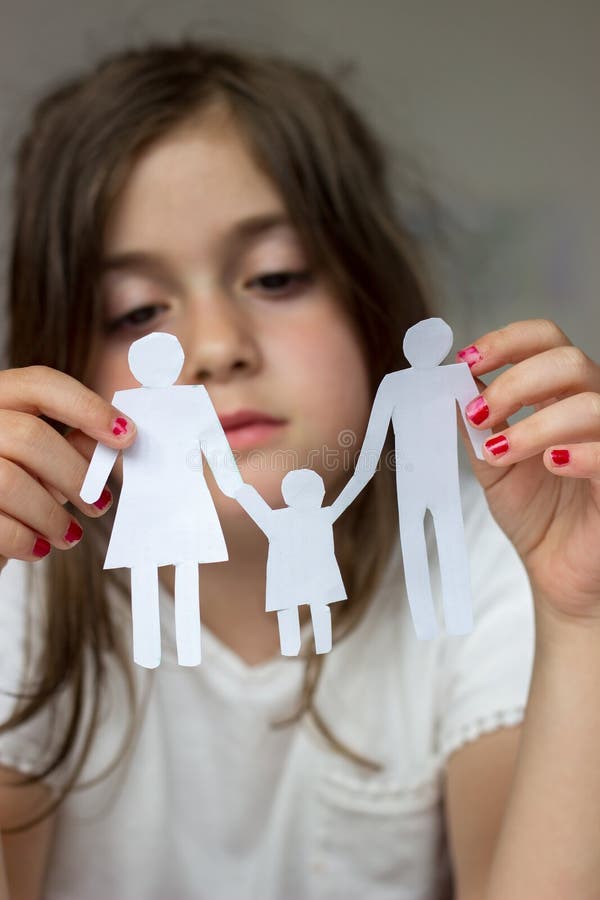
{"points": [[249, 428]]}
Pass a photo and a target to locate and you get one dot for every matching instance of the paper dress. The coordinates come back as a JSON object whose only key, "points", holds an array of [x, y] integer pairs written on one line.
{"points": [[165, 515], [421, 403], [301, 563]]}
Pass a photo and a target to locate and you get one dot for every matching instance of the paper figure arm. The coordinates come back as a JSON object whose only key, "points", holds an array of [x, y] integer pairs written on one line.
{"points": [[220, 458], [100, 467], [256, 507], [375, 435], [466, 390]]}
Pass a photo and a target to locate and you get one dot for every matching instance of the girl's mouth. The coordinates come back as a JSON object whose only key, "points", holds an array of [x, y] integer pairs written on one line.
{"points": [[248, 428]]}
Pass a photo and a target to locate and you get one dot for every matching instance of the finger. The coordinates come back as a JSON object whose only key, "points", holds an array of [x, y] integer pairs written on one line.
{"points": [[574, 460], [17, 541], [40, 390], [82, 443], [60, 498], [572, 420], [560, 372], [29, 441], [485, 474], [544, 403], [512, 344], [24, 499]]}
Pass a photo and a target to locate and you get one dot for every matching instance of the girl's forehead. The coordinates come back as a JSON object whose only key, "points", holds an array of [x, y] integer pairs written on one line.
{"points": [[205, 151], [192, 181]]}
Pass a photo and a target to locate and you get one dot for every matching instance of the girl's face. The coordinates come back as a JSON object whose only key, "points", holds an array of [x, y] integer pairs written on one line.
{"points": [[198, 244]]}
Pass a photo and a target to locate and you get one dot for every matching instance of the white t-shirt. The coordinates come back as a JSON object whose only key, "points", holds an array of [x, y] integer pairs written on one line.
{"points": [[213, 803]]}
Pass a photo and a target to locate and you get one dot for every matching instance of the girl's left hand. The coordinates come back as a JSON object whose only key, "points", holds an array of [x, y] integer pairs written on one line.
{"points": [[542, 474]]}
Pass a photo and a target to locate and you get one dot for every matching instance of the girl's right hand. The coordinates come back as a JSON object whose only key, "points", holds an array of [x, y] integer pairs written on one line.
{"points": [[39, 468]]}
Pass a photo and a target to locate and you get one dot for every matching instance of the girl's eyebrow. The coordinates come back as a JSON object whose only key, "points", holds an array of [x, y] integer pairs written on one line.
{"points": [[242, 233]]}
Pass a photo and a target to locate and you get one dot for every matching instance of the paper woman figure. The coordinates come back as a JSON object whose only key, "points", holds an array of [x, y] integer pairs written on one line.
{"points": [[421, 403], [301, 563], [166, 515]]}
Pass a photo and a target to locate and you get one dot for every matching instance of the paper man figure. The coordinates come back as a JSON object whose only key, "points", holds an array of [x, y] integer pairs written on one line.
{"points": [[166, 515], [301, 563], [421, 402]]}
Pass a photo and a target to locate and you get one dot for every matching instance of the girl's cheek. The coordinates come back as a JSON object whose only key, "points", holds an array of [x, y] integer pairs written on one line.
{"points": [[112, 374], [333, 384]]}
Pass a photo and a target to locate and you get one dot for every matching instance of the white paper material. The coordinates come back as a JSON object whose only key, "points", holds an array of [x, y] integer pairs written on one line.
{"points": [[165, 515], [301, 563], [420, 401], [145, 616], [187, 614]]}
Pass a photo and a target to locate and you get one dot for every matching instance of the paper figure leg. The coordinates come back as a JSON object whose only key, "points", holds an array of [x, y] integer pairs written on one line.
{"points": [[454, 568], [321, 622], [289, 631], [416, 572], [187, 614], [145, 616]]}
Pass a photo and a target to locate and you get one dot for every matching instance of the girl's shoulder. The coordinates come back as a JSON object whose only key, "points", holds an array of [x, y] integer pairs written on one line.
{"points": [[451, 688]]}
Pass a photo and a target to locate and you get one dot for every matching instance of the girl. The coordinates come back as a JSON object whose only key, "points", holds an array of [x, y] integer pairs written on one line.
{"points": [[240, 203]]}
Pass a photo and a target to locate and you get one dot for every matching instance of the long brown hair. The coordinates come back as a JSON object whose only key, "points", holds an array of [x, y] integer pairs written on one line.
{"points": [[333, 175]]}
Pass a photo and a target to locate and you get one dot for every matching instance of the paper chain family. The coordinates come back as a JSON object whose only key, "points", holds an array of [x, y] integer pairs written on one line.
{"points": [[166, 515]]}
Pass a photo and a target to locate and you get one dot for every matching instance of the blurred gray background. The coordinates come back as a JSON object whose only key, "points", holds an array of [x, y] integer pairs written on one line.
{"points": [[497, 102]]}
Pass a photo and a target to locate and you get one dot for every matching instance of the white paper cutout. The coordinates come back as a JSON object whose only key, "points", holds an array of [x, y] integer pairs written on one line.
{"points": [[421, 403], [301, 563], [165, 515]]}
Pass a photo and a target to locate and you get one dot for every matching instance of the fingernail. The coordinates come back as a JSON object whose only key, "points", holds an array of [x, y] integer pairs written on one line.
{"points": [[560, 457], [497, 445], [470, 355], [74, 533], [41, 547], [104, 499], [477, 410], [120, 426]]}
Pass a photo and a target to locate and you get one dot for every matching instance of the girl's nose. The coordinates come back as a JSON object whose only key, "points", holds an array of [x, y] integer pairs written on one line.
{"points": [[219, 344]]}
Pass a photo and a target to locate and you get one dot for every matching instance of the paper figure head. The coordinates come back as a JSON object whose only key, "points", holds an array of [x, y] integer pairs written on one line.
{"points": [[303, 489], [156, 359], [427, 343]]}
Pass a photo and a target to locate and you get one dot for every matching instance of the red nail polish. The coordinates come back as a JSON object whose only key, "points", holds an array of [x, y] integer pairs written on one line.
{"points": [[120, 426], [104, 499], [477, 410], [470, 355], [41, 547], [73, 533], [497, 444], [560, 457]]}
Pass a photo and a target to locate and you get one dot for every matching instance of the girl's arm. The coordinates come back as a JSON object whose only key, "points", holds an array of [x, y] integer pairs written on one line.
{"points": [[39, 471], [542, 481], [24, 854], [549, 843]]}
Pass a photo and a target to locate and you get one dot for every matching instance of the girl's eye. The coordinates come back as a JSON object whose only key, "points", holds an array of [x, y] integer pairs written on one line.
{"points": [[136, 318], [281, 284]]}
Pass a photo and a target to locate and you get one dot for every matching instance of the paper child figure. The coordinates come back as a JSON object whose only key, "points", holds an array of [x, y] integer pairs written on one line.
{"points": [[421, 403], [301, 563], [166, 515]]}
